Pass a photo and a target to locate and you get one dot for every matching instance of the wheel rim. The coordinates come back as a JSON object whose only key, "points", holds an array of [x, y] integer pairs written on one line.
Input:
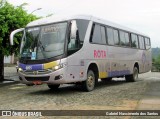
{"points": [[90, 82]]}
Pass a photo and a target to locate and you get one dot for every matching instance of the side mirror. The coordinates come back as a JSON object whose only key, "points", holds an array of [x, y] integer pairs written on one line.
{"points": [[73, 29], [13, 33]]}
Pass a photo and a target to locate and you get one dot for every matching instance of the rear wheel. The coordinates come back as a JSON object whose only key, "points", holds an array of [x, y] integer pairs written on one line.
{"points": [[89, 83], [133, 77], [53, 87]]}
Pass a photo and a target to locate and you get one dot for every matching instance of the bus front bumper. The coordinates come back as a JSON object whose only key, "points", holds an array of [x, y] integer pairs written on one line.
{"points": [[54, 77]]}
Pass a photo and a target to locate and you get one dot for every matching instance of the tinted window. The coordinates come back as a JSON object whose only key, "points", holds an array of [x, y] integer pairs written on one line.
{"points": [[103, 35], [116, 38], [134, 39], [74, 44], [110, 36], [99, 35], [147, 43], [141, 42], [124, 38], [96, 34], [127, 39], [82, 28]]}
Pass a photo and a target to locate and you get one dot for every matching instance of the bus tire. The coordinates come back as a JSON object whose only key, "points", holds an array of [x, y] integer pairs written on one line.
{"points": [[53, 87], [133, 77], [89, 83]]}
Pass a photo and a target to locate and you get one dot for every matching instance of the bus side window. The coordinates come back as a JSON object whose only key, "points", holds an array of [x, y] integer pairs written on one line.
{"points": [[110, 37], [103, 35], [141, 42], [127, 39], [124, 39], [98, 35], [147, 43], [116, 37], [134, 41]]}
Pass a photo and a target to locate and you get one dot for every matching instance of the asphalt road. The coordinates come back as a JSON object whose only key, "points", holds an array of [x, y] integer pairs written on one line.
{"points": [[116, 95]]}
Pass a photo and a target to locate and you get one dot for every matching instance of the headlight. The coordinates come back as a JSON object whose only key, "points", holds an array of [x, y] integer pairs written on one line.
{"points": [[62, 65], [56, 67], [20, 69]]}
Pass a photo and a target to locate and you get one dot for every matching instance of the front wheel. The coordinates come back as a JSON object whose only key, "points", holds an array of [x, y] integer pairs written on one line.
{"points": [[133, 77], [53, 87], [90, 82]]}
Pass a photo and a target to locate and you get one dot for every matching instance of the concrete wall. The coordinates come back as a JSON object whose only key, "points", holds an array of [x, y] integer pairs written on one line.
{"points": [[9, 59]]}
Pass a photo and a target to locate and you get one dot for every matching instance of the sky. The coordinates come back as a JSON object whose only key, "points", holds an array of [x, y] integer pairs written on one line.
{"points": [[141, 15]]}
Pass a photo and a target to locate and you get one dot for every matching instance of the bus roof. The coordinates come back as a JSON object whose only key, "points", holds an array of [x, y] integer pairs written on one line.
{"points": [[59, 18]]}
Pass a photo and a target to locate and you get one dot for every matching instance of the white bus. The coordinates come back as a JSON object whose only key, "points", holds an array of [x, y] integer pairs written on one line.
{"points": [[80, 49]]}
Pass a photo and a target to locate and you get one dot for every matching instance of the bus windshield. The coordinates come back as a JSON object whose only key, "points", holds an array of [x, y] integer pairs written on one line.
{"points": [[44, 41]]}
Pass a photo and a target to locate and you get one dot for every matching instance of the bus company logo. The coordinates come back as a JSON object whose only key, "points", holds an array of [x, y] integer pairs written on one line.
{"points": [[28, 67], [35, 72], [99, 54], [6, 113]]}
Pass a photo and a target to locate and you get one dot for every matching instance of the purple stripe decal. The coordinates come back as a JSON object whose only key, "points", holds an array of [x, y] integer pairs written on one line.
{"points": [[118, 73], [31, 67]]}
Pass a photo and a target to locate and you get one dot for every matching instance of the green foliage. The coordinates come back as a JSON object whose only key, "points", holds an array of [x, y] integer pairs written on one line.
{"points": [[12, 18], [155, 52], [157, 60], [156, 63]]}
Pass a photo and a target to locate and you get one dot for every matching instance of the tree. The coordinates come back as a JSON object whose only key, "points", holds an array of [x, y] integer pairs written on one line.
{"points": [[156, 63], [11, 18]]}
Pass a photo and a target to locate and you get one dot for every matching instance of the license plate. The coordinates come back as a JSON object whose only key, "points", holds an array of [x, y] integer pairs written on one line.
{"points": [[37, 82]]}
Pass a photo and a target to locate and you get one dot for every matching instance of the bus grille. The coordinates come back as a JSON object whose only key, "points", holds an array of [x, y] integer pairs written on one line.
{"points": [[38, 72]]}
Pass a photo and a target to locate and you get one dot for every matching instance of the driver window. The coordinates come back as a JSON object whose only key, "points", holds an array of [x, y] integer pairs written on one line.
{"points": [[77, 34], [73, 43]]}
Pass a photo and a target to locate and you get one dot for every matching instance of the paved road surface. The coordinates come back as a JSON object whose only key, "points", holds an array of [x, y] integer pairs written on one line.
{"points": [[116, 95]]}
